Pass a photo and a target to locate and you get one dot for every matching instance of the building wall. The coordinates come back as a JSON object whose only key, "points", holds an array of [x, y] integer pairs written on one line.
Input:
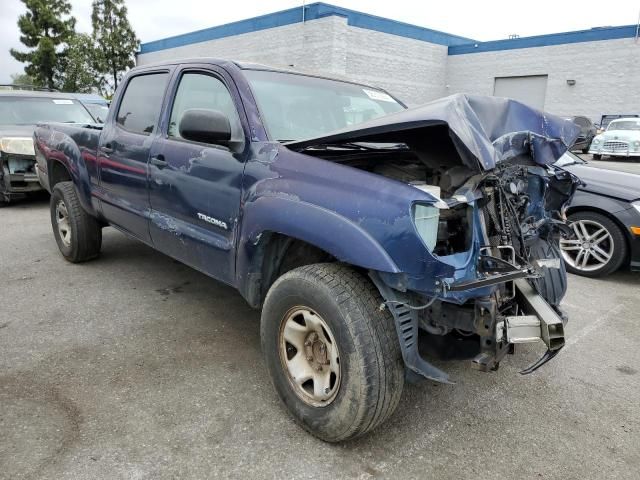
{"points": [[306, 46], [413, 70], [607, 75]]}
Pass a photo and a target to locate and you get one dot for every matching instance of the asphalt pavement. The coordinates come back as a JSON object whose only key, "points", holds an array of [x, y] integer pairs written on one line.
{"points": [[135, 366]]}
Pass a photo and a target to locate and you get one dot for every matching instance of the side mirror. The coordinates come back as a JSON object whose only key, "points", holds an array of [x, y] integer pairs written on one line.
{"points": [[206, 126]]}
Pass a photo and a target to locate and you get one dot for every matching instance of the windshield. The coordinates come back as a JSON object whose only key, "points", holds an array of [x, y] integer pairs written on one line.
{"points": [[295, 107], [569, 159], [624, 125], [31, 110]]}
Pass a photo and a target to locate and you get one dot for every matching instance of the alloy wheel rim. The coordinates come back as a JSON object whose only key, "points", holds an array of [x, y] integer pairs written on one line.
{"points": [[62, 222], [590, 248], [309, 356]]}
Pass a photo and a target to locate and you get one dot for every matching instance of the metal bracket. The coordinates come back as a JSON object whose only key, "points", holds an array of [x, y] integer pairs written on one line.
{"points": [[406, 323]]}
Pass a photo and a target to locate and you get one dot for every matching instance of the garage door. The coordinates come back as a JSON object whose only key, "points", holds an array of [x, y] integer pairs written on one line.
{"points": [[530, 89]]}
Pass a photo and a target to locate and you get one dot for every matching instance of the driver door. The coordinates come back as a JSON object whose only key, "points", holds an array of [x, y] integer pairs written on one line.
{"points": [[195, 188]]}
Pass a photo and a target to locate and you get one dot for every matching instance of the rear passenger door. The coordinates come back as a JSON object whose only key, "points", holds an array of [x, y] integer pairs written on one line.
{"points": [[195, 187], [123, 153]]}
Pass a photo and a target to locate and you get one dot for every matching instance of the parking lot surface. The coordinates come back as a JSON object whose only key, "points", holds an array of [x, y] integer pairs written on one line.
{"points": [[134, 366]]}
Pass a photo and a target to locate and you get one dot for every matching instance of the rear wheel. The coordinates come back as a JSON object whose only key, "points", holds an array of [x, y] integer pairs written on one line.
{"points": [[597, 247], [333, 355], [78, 234], [597, 157]]}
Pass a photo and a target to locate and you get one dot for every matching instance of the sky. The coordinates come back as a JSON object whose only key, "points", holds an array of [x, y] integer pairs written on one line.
{"points": [[478, 19]]}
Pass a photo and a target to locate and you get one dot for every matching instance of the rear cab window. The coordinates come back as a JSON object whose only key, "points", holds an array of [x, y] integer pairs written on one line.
{"points": [[141, 103]]}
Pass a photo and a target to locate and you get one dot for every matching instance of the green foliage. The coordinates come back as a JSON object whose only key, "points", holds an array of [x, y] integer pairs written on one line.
{"points": [[21, 79], [46, 25], [116, 41], [76, 71]]}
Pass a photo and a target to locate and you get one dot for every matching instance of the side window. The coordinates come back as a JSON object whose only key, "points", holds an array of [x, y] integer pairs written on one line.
{"points": [[199, 90], [141, 103]]}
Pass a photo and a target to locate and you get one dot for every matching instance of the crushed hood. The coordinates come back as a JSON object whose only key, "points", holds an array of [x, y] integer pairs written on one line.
{"points": [[484, 130]]}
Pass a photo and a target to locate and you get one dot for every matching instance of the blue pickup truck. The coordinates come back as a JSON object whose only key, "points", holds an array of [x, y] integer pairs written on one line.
{"points": [[373, 237]]}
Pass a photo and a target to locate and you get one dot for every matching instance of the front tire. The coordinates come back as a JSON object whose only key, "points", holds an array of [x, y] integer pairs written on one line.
{"points": [[597, 157], [333, 355], [597, 247], [78, 234]]}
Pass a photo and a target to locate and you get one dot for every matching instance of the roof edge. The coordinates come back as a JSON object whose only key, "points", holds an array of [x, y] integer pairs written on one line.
{"points": [[577, 36], [312, 11]]}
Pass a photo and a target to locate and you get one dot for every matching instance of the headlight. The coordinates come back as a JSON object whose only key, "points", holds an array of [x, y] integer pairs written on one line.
{"points": [[636, 144], [425, 218], [596, 141], [17, 145]]}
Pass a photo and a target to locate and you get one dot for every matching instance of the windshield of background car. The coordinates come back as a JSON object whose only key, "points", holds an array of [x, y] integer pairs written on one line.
{"points": [[624, 125], [295, 107], [98, 111], [21, 110]]}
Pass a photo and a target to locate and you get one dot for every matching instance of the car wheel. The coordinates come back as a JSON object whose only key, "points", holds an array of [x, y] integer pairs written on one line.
{"points": [[597, 247], [585, 150], [597, 157], [333, 355], [78, 234]]}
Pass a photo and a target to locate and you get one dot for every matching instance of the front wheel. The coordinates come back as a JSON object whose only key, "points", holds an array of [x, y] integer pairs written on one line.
{"points": [[597, 157], [333, 355], [78, 234], [597, 246]]}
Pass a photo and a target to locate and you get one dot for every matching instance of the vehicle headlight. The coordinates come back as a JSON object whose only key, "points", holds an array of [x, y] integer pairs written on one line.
{"points": [[596, 141], [17, 145], [425, 218], [636, 144]]}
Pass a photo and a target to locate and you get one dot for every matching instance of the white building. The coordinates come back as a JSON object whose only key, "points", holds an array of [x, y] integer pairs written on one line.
{"points": [[589, 72]]}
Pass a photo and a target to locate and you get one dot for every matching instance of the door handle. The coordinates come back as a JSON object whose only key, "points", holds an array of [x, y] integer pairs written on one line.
{"points": [[159, 161]]}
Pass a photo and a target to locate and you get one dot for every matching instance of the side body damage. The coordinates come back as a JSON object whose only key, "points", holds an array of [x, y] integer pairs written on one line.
{"points": [[452, 209]]}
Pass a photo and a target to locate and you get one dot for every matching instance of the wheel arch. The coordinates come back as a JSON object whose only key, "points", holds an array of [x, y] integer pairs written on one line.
{"points": [[275, 229]]}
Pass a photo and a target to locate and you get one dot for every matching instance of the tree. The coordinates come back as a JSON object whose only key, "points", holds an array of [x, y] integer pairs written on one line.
{"points": [[116, 41], [21, 79], [77, 72], [46, 25]]}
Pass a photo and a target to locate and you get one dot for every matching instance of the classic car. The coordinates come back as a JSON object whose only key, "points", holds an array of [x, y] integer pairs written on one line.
{"points": [[620, 139]]}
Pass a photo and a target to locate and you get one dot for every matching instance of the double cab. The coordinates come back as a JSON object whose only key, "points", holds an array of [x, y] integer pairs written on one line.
{"points": [[373, 237]]}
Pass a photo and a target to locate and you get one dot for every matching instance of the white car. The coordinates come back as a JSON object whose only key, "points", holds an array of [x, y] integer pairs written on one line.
{"points": [[620, 139]]}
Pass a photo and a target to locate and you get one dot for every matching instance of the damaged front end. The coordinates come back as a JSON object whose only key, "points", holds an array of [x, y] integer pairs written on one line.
{"points": [[488, 210], [500, 230]]}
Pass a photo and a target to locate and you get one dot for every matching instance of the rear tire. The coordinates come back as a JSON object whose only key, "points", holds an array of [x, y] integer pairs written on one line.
{"points": [[597, 157], [78, 234], [370, 368]]}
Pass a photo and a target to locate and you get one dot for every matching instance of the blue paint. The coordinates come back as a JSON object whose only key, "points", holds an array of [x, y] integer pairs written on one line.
{"points": [[313, 11], [592, 35]]}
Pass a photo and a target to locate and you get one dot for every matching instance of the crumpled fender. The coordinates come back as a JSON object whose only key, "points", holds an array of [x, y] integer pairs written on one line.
{"points": [[315, 225]]}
